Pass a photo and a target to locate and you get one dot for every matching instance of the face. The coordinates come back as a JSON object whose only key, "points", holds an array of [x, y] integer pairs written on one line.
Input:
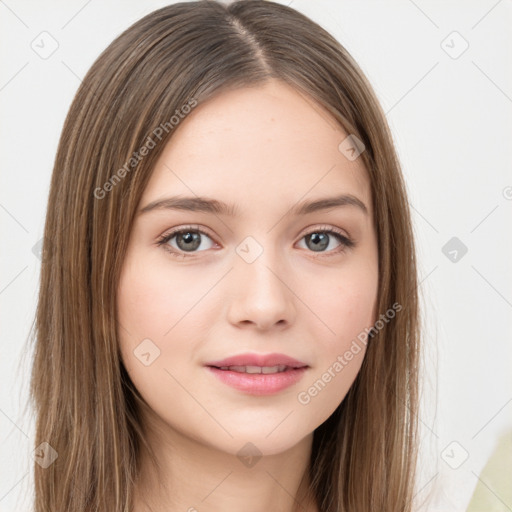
{"points": [[264, 275]]}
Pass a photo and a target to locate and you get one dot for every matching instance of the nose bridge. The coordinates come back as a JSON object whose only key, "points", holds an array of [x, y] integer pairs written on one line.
{"points": [[262, 295]]}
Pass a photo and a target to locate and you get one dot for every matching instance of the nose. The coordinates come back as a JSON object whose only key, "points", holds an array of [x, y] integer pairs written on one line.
{"points": [[261, 293]]}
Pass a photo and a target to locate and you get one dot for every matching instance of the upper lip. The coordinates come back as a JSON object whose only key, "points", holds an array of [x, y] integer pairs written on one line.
{"points": [[258, 360]]}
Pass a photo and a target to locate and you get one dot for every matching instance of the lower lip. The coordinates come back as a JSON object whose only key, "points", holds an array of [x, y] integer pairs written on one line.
{"points": [[259, 383]]}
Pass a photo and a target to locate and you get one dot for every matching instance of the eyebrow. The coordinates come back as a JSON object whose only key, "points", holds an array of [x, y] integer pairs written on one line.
{"points": [[208, 205]]}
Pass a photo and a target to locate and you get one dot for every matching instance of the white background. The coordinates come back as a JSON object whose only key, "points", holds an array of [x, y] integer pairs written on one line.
{"points": [[451, 119]]}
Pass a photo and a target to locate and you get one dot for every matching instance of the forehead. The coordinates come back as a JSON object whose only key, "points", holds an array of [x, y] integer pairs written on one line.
{"points": [[255, 146]]}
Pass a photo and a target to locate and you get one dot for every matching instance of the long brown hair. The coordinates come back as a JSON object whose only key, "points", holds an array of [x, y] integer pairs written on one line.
{"points": [[86, 408]]}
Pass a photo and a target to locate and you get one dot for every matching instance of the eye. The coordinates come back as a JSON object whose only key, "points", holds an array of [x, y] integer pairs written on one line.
{"points": [[188, 239], [320, 239]]}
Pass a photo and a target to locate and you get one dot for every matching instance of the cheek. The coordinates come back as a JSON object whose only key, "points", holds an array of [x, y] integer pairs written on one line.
{"points": [[154, 303], [165, 313], [159, 314], [347, 303], [347, 309]]}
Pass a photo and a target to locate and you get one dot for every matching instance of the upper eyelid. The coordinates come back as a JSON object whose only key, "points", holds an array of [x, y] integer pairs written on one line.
{"points": [[204, 231], [173, 232]]}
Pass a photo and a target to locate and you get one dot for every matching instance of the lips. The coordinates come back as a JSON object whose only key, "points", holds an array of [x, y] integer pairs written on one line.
{"points": [[258, 374]]}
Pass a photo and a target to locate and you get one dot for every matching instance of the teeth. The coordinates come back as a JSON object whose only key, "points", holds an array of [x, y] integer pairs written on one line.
{"points": [[273, 369], [256, 369]]}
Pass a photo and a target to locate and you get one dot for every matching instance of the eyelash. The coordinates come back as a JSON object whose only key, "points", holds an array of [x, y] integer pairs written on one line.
{"points": [[346, 243]]}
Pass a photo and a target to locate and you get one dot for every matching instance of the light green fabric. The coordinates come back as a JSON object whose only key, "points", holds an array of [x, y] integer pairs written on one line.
{"points": [[493, 492]]}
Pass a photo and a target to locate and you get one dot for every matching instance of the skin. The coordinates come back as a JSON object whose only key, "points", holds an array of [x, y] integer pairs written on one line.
{"points": [[263, 149]]}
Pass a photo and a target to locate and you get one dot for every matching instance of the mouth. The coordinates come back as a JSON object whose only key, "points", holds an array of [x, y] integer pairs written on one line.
{"points": [[252, 362], [258, 380]]}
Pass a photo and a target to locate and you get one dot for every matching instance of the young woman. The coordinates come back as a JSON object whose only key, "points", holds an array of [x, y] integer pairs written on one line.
{"points": [[228, 310]]}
